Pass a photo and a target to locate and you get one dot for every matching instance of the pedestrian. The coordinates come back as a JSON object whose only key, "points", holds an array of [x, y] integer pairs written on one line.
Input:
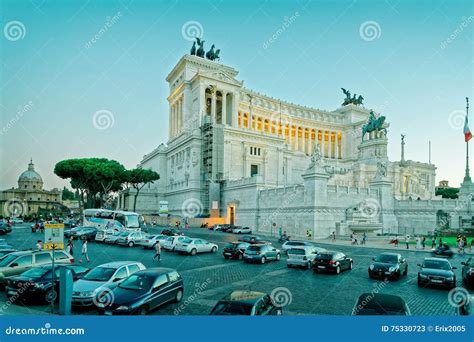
{"points": [[84, 251], [333, 236], [461, 246], [433, 242], [157, 251], [418, 242], [39, 244], [423, 242], [440, 242], [280, 232], [407, 240], [364, 238], [396, 241], [356, 242], [352, 239], [70, 247], [308, 234]]}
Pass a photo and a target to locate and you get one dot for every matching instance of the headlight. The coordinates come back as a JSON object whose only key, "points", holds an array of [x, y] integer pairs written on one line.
{"points": [[87, 294], [371, 267], [451, 278], [123, 307], [100, 305], [423, 276], [392, 269]]}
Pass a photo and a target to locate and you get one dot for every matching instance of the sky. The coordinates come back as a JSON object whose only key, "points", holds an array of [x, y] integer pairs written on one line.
{"points": [[65, 94]]}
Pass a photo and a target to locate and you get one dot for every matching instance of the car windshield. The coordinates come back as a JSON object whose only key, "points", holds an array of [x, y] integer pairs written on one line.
{"points": [[137, 282], [151, 237], [124, 234], [100, 274], [437, 264], [231, 308], [386, 258], [36, 272], [187, 241], [7, 259], [325, 256], [133, 221], [254, 248], [297, 251]]}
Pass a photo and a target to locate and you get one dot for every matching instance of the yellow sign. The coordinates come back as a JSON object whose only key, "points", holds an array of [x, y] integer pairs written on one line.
{"points": [[53, 246], [54, 225]]}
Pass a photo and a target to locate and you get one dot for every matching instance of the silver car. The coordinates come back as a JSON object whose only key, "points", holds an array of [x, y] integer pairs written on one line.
{"points": [[294, 243], [170, 243], [149, 241], [99, 280], [112, 239], [302, 256], [194, 246], [130, 239]]}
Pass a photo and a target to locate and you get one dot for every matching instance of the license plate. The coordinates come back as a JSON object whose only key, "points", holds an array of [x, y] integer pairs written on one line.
{"points": [[108, 313], [227, 253], [387, 273], [437, 281], [321, 266]]}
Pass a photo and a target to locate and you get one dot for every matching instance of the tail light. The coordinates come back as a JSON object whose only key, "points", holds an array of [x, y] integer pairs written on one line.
{"points": [[258, 253], [126, 239], [332, 262], [71, 260]]}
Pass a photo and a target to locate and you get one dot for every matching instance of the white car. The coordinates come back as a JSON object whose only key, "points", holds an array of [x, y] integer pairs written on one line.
{"points": [[302, 256], [292, 244], [194, 246], [171, 241], [150, 240], [242, 230], [104, 234], [17, 221], [101, 279]]}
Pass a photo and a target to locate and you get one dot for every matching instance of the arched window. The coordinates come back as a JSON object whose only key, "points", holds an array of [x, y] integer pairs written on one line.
{"points": [[259, 124], [239, 120], [266, 126], [246, 120]]}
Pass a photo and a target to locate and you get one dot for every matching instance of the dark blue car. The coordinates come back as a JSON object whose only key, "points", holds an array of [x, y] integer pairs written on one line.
{"points": [[142, 292]]}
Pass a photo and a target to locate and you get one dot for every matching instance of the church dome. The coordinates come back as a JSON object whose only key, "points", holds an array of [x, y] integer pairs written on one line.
{"points": [[30, 177]]}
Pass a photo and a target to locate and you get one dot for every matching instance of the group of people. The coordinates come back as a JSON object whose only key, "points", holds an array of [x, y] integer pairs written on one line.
{"points": [[354, 238]]}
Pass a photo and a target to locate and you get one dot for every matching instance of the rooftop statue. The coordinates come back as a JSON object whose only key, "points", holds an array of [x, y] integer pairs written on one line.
{"points": [[356, 100], [198, 50]]}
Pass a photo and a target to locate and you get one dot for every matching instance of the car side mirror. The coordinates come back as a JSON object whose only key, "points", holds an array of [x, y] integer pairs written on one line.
{"points": [[14, 264], [454, 268]]}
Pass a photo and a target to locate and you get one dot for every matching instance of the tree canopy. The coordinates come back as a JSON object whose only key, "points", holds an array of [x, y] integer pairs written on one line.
{"points": [[138, 178]]}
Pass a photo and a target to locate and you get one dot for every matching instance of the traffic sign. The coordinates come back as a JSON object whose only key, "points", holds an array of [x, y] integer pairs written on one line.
{"points": [[53, 236]]}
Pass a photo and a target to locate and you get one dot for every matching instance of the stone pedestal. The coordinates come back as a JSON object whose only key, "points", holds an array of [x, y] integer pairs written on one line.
{"points": [[386, 202], [316, 191]]}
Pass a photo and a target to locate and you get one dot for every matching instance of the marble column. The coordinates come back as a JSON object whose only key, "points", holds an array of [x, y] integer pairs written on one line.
{"points": [[235, 111], [202, 104], [303, 142], [297, 139], [213, 108], [180, 115], [323, 143], [170, 128], [224, 108]]}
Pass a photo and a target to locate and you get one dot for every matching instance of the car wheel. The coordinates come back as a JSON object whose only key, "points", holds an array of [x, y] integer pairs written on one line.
{"points": [[179, 296], [278, 257], [193, 251], [130, 244], [263, 260], [214, 249], [50, 296], [338, 269], [397, 275], [350, 266], [142, 310]]}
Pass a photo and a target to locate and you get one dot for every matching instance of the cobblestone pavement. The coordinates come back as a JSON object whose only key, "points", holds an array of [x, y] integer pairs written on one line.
{"points": [[209, 277]]}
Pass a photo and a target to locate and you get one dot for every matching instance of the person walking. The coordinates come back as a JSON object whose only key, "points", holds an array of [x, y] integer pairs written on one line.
{"points": [[157, 251], [39, 244], [407, 241], [418, 242], [423, 242], [70, 247], [84, 251], [333, 236], [433, 242], [364, 238]]}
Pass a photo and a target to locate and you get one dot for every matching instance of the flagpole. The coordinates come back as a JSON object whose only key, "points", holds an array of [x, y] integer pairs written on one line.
{"points": [[467, 177]]}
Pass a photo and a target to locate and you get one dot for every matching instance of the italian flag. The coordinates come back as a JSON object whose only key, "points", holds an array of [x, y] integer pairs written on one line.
{"points": [[467, 131]]}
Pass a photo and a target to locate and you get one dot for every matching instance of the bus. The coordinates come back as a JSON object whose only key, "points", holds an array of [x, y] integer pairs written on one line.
{"points": [[108, 222]]}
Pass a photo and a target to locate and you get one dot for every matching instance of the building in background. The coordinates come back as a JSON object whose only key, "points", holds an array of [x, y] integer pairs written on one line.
{"points": [[30, 199]]}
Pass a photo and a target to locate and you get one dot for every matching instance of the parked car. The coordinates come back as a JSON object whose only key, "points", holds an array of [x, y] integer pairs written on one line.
{"points": [[5, 229], [37, 226], [143, 292], [437, 272], [293, 243], [4, 250], [228, 228], [171, 232], [217, 227], [235, 250], [242, 230], [330, 261], [36, 283], [170, 243], [100, 279], [103, 234], [81, 233], [261, 254], [17, 221], [112, 239], [388, 265], [443, 251], [302, 256], [149, 241], [380, 304], [253, 239], [130, 239], [468, 272], [248, 303], [70, 223], [195, 246], [18, 262]]}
